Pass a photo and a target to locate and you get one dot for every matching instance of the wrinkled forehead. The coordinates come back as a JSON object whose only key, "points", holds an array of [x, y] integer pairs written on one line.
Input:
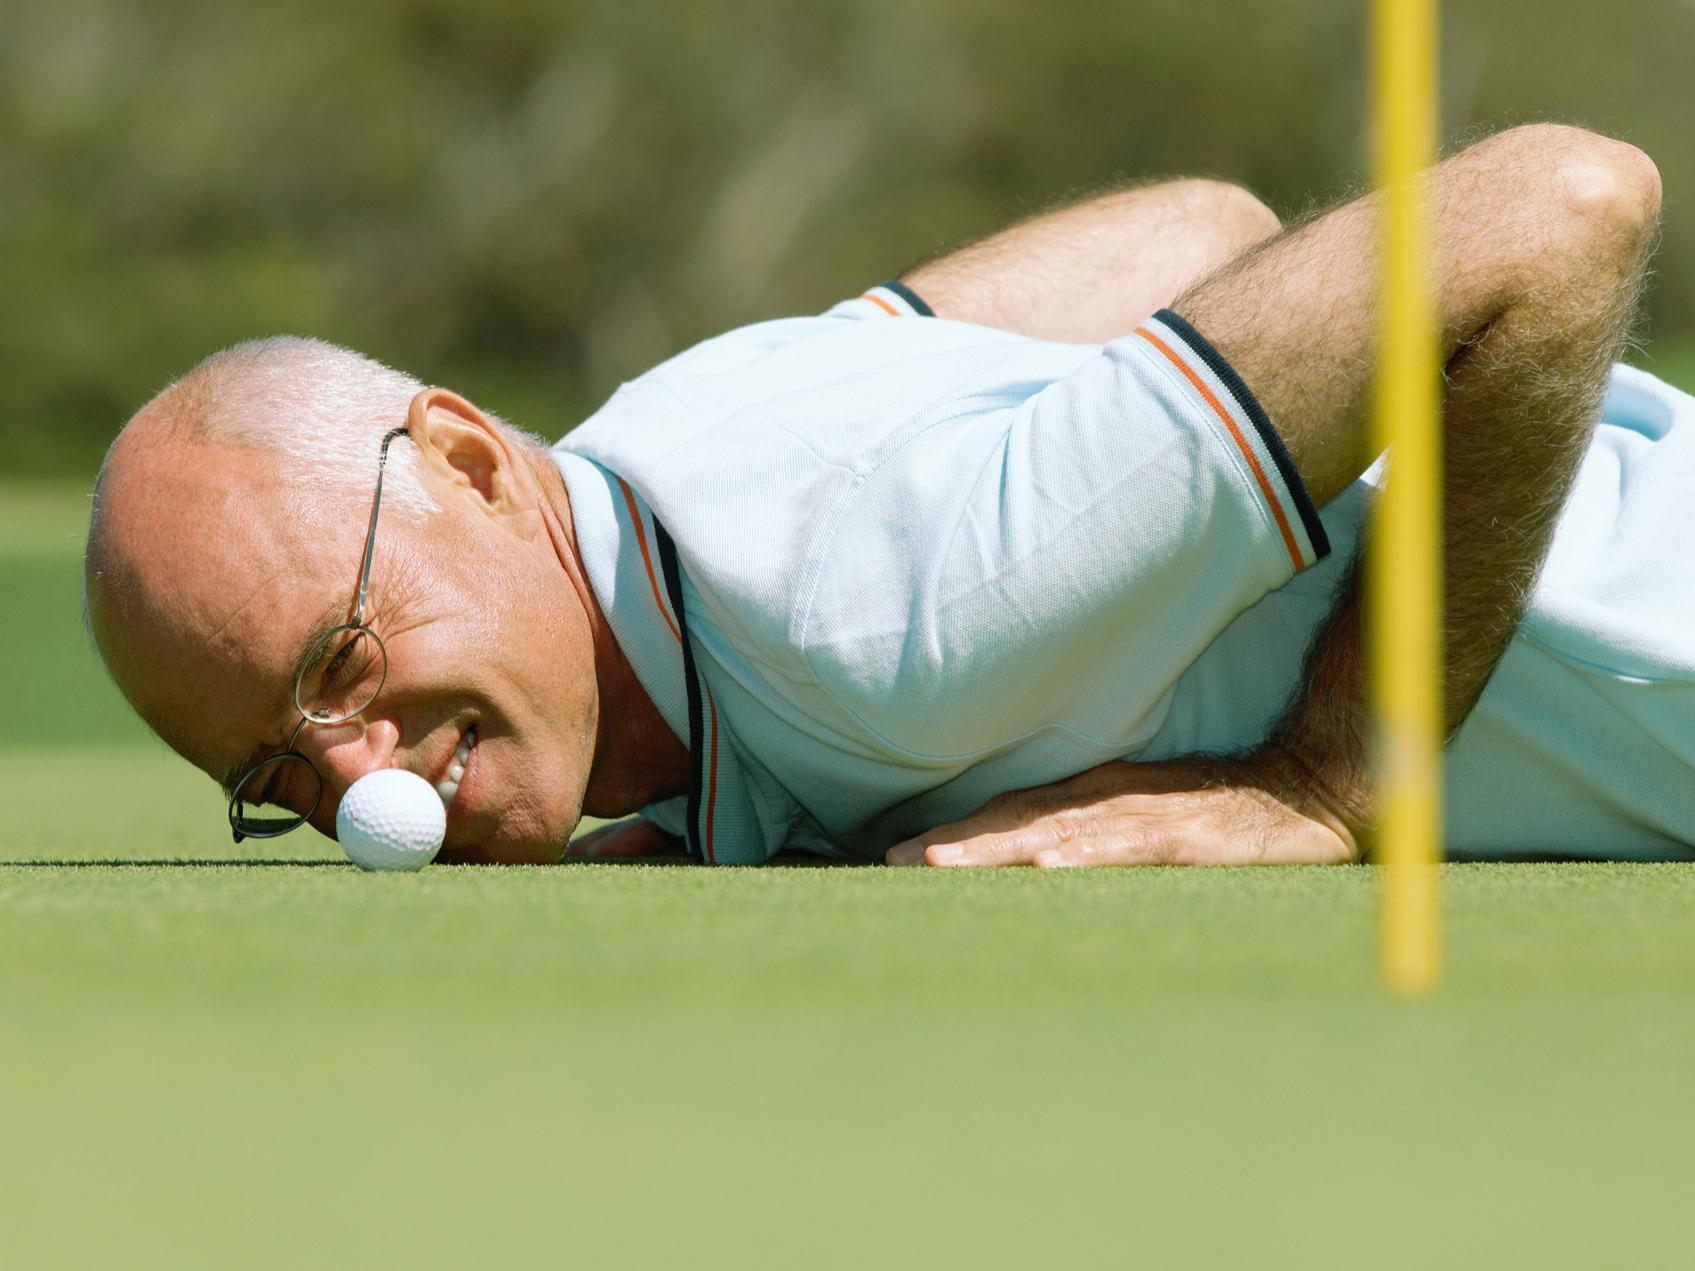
{"points": [[207, 579]]}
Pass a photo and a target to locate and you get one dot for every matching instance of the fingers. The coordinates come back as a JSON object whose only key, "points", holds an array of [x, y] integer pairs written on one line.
{"points": [[624, 840], [583, 845], [1210, 826], [1078, 855], [1194, 812], [1032, 845], [1007, 830], [1206, 841], [911, 852], [946, 846]]}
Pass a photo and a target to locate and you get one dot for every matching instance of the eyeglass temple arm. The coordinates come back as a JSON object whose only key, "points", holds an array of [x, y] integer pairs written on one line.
{"points": [[371, 529]]}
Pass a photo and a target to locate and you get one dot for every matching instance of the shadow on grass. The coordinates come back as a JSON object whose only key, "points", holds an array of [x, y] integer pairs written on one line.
{"points": [[168, 863], [785, 860], [789, 860], [283, 863]]}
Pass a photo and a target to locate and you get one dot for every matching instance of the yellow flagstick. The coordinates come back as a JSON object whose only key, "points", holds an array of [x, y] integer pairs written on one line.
{"points": [[1405, 595]]}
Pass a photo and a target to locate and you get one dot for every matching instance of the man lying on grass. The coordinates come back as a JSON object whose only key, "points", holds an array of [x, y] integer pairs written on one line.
{"points": [[1043, 554]]}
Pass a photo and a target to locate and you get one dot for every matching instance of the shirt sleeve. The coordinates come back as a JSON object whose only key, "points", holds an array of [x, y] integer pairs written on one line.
{"points": [[1053, 556], [892, 299]]}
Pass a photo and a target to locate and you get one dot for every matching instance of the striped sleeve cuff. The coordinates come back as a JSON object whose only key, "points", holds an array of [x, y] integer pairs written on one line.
{"points": [[892, 299], [1249, 429]]}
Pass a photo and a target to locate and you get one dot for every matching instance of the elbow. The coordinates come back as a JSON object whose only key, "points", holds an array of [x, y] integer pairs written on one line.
{"points": [[1234, 209]]}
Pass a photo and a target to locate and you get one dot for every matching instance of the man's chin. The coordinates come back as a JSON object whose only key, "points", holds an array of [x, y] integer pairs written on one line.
{"points": [[506, 851], [519, 837], [529, 830]]}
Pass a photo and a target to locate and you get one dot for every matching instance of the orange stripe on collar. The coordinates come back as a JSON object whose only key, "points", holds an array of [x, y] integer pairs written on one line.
{"points": [[647, 559]]}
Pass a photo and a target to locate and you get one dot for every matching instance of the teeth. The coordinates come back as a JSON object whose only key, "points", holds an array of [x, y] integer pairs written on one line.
{"points": [[449, 788]]}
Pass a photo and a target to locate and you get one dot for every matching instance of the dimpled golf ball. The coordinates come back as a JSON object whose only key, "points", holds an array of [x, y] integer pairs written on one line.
{"points": [[391, 819]]}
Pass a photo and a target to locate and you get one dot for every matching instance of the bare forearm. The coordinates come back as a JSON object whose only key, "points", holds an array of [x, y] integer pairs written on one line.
{"points": [[1534, 292], [1325, 733], [1503, 488], [1540, 235], [1090, 272]]}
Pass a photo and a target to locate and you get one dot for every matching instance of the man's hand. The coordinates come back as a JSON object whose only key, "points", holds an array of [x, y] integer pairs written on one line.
{"points": [[623, 840], [1260, 810]]}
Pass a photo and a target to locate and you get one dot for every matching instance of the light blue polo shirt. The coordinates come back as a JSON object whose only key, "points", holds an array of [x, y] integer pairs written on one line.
{"points": [[877, 567], [1583, 744]]}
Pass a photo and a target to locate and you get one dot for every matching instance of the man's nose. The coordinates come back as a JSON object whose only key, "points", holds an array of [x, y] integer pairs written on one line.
{"points": [[345, 752]]}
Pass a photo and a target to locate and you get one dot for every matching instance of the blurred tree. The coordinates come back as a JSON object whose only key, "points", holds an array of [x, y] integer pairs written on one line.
{"points": [[535, 199]]}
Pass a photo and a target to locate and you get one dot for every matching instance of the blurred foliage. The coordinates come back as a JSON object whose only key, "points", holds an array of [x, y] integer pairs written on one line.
{"points": [[535, 199]]}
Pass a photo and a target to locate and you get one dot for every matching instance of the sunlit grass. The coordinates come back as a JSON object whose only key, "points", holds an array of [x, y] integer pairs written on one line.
{"points": [[265, 1058]]}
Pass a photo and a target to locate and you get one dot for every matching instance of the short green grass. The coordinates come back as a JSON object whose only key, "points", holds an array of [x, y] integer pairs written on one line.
{"points": [[282, 1062]]}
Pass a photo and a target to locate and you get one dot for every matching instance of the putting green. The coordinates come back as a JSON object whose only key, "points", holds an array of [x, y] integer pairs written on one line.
{"points": [[286, 1063], [621, 1065]]}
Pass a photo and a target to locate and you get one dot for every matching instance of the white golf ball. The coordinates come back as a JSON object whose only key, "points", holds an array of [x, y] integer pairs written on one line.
{"points": [[391, 819]]}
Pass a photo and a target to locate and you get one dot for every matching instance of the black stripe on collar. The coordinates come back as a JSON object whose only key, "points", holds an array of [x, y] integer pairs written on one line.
{"points": [[674, 589]]}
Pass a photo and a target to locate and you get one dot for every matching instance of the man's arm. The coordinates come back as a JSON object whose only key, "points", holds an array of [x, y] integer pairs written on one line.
{"points": [[1090, 272], [1542, 236], [624, 840], [1085, 273]]}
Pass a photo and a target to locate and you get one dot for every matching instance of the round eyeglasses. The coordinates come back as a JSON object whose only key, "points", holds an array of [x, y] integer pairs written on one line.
{"points": [[340, 675]]}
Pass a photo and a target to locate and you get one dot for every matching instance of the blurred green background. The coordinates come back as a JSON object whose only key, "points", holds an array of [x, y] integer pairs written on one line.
{"points": [[285, 1063], [533, 200]]}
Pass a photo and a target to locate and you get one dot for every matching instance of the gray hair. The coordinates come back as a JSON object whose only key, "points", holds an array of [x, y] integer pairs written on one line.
{"points": [[321, 408]]}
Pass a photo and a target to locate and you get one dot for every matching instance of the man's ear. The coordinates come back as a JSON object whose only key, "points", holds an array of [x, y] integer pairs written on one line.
{"points": [[465, 449]]}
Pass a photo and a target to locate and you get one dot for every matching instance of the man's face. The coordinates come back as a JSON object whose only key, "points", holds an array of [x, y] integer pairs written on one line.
{"points": [[222, 574]]}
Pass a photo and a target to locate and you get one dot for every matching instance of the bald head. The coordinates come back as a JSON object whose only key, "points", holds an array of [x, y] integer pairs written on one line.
{"points": [[229, 528], [316, 409], [256, 454]]}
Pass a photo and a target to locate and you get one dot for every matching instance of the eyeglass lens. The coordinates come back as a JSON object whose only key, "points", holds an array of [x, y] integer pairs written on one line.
{"points": [[259, 809], [341, 676]]}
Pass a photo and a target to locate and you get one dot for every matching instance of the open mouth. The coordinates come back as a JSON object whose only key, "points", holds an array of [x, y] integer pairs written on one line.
{"points": [[448, 786]]}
